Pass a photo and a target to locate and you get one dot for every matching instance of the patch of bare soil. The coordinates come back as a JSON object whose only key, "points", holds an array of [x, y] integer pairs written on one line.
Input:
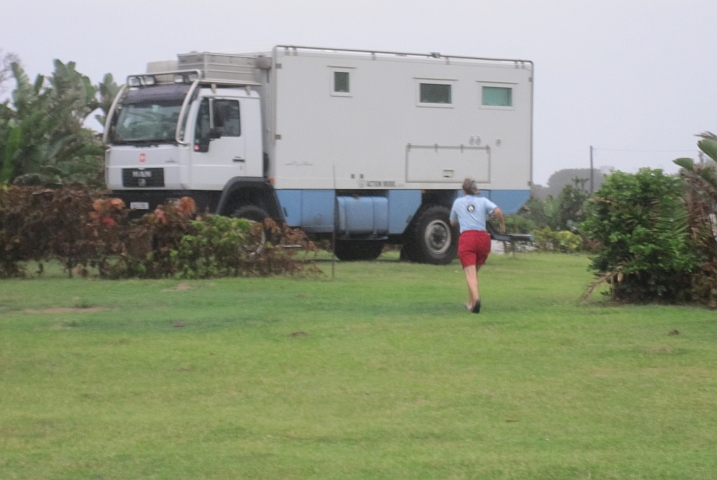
{"points": [[65, 310]]}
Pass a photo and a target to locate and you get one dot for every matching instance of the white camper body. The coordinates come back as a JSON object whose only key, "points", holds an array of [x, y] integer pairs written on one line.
{"points": [[373, 145], [381, 131]]}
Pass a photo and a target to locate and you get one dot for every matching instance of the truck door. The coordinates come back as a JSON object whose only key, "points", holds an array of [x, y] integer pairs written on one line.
{"points": [[219, 147]]}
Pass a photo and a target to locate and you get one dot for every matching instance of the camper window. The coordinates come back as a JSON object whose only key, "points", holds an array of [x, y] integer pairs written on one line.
{"points": [[497, 96], [435, 93], [341, 82]]}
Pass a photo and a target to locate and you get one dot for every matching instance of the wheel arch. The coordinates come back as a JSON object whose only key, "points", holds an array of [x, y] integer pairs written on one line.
{"points": [[242, 191]]}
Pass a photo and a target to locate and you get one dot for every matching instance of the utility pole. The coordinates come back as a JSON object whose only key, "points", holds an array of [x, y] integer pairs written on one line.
{"points": [[591, 170]]}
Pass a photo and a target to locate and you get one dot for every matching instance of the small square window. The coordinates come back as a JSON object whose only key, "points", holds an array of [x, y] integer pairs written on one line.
{"points": [[341, 82], [435, 93], [497, 96]]}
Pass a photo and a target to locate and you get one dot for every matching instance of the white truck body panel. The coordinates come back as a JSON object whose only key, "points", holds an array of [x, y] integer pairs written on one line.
{"points": [[379, 135]]}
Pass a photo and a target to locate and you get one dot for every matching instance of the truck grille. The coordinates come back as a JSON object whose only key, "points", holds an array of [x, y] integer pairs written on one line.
{"points": [[143, 177]]}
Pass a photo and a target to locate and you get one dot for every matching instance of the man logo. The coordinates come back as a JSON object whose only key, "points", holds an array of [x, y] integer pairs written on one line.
{"points": [[471, 208]]}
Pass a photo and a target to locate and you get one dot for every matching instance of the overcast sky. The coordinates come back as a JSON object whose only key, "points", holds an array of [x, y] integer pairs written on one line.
{"points": [[636, 79]]}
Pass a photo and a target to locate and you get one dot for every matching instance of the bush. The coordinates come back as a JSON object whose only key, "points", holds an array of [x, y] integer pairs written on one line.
{"points": [[53, 224], [81, 228], [542, 213], [566, 212], [548, 240], [514, 224], [169, 242], [641, 225]]}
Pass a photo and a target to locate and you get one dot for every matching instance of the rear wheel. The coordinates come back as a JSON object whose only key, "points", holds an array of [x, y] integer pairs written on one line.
{"points": [[352, 250], [432, 239]]}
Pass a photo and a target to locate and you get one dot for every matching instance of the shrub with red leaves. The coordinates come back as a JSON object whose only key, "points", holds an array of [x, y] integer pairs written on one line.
{"points": [[81, 227]]}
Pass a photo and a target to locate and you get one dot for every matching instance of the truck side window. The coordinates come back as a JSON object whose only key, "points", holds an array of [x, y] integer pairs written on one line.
{"points": [[435, 93], [202, 130], [341, 82], [226, 118], [497, 96]]}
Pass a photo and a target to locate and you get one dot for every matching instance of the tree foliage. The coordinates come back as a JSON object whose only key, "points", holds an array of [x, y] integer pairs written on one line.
{"points": [[560, 179], [564, 213], [641, 225], [701, 201], [43, 140]]}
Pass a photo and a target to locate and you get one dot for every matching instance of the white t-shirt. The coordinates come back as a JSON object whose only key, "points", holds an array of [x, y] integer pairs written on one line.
{"points": [[471, 212]]}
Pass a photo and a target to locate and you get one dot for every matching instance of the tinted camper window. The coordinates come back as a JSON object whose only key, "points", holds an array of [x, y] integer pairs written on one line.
{"points": [[435, 93], [341, 82], [497, 96]]}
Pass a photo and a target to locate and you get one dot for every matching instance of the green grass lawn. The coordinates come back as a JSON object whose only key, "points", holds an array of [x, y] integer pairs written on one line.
{"points": [[379, 373]]}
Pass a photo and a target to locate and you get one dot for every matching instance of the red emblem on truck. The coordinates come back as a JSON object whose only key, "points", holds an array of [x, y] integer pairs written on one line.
{"points": [[142, 158]]}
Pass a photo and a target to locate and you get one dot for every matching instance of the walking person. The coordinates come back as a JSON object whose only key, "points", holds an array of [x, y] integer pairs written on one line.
{"points": [[471, 212]]}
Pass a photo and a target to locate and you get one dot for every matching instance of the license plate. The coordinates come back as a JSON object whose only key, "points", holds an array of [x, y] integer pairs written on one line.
{"points": [[139, 205]]}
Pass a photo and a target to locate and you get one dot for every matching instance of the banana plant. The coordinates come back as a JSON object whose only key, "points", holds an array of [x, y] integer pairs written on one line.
{"points": [[42, 136], [701, 202], [705, 174], [108, 90]]}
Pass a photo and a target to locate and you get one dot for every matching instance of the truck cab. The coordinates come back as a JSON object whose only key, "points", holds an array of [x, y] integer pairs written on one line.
{"points": [[187, 137]]}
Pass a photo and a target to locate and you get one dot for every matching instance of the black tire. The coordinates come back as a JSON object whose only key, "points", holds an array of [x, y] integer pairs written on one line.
{"points": [[353, 250], [404, 255], [432, 239], [250, 212], [257, 214]]}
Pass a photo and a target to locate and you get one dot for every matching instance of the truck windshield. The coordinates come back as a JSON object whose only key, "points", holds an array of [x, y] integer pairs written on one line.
{"points": [[141, 123], [148, 115]]}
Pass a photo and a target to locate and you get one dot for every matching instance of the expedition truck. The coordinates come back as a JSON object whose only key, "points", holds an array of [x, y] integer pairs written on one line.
{"points": [[369, 146]]}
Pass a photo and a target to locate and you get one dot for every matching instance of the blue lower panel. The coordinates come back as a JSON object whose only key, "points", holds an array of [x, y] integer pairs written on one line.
{"points": [[363, 215], [402, 206], [290, 201], [313, 211], [509, 201]]}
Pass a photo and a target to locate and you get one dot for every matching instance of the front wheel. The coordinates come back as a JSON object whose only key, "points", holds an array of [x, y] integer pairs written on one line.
{"points": [[250, 212], [258, 215], [432, 239]]}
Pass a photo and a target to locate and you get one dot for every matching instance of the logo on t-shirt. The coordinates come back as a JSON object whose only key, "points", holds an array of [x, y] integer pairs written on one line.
{"points": [[470, 208]]}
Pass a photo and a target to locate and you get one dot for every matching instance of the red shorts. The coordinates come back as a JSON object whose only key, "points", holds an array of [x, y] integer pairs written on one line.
{"points": [[473, 247]]}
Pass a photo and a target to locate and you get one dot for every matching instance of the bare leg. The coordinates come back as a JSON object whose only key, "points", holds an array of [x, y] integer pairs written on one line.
{"points": [[471, 272], [477, 284]]}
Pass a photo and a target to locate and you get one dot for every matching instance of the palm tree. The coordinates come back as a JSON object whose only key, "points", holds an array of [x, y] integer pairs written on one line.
{"points": [[701, 202]]}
